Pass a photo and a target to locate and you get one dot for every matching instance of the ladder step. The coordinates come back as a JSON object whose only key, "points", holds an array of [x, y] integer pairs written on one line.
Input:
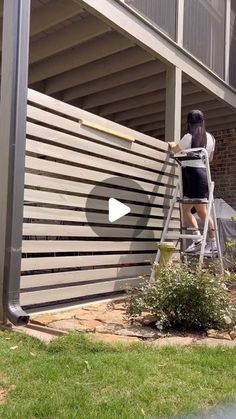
{"points": [[192, 201], [183, 236]]}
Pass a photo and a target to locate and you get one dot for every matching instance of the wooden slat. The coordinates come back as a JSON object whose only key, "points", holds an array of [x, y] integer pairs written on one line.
{"points": [[102, 128], [35, 196], [62, 185], [54, 246], [33, 229], [98, 162], [56, 121], [90, 175], [73, 277], [30, 264], [150, 157], [40, 213], [81, 276], [47, 296], [74, 112]]}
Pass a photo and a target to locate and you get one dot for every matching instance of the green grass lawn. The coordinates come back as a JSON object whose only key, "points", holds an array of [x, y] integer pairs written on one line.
{"points": [[75, 378]]}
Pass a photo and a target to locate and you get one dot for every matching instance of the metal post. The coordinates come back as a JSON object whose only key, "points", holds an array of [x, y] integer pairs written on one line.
{"points": [[15, 48], [173, 104]]}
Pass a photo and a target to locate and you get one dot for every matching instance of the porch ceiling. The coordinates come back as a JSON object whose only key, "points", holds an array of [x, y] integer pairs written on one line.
{"points": [[79, 59]]}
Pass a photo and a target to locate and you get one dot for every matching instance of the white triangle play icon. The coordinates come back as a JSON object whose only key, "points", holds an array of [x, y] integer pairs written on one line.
{"points": [[116, 210]]}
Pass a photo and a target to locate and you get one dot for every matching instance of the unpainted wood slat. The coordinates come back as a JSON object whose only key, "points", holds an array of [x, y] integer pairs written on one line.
{"points": [[33, 229], [45, 166], [56, 184], [75, 277], [35, 196], [54, 246], [40, 263], [64, 293], [97, 162], [74, 112], [56, 214], [150, 159]]}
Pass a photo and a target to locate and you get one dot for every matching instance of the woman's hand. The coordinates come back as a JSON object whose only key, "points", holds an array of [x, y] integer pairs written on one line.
{"points": [[173, 147]]}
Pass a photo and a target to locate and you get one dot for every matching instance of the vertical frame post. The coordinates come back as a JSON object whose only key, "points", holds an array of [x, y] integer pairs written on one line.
{"points": [[173, 104], [15, 51], [227, 39], [180, 23]]}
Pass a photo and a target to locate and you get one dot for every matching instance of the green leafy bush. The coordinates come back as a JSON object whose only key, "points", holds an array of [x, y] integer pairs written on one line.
{"points": [[184, 298], [230, 255]]}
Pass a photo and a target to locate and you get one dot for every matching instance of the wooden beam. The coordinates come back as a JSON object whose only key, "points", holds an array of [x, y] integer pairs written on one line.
{"points": [[127, 104], [159, 115], [150, 127], [65, 38], [231, 125], [104, 67], [218, 113], [229, 119], [128, 91], [196, 99], [78, 56], [114, 80], [51, 14], [151, 39], [173, 104], [141, 110], [47, 16], [227, 122], [156, 96]]}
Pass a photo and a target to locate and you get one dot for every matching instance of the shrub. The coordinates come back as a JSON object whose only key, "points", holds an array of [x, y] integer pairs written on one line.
{"points": [[184, 298], [230, 255]]}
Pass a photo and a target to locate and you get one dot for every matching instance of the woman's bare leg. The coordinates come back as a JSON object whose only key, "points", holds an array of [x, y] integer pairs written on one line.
{"points": [[188, 217], [202, 212]]}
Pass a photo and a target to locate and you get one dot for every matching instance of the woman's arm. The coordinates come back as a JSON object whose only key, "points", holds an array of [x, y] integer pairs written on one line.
{"points": [[174, 147]]}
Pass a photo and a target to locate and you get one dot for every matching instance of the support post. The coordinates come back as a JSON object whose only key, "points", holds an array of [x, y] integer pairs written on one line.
{"points": [[14, 83], [180, 23], [173, 104], [227, 39]]}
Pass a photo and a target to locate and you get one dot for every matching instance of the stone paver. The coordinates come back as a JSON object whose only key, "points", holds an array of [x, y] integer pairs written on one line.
{"points": [[107, 322]]}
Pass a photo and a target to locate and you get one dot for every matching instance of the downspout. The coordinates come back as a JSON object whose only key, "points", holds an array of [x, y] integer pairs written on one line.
{"points": [[13, 111]]}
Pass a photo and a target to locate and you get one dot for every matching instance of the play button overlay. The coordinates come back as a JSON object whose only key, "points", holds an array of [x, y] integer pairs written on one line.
{"points": [[118, 208]]}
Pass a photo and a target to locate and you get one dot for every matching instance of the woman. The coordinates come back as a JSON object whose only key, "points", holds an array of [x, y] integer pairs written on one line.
{"points": [[195, 180]]}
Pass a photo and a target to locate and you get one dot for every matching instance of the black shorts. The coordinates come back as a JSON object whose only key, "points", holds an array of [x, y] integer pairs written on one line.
{"points": [[194, 182]]}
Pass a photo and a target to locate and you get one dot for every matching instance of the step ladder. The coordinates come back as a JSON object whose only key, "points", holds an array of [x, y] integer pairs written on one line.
{"points": [[188, 155]]}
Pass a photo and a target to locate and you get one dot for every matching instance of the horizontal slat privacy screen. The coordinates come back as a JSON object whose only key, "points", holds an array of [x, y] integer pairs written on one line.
{"points": [[63, 258]]}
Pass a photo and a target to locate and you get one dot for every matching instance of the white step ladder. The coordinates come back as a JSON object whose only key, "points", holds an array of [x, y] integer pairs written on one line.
{"points": [[187, 155]]}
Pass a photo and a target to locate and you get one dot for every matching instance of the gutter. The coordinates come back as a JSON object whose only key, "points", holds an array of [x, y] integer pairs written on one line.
{"points": [[13, 112]]}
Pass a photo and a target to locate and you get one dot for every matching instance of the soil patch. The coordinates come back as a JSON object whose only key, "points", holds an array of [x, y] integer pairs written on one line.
{"points": [[3, 395]]}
